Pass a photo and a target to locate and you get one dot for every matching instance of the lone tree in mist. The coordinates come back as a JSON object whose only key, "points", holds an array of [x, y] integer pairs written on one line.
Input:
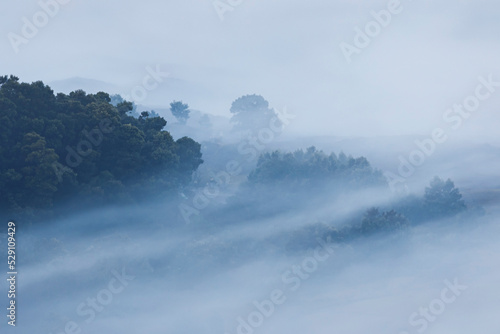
{"points": [[180, 111], [252, 113], [443, 199]]}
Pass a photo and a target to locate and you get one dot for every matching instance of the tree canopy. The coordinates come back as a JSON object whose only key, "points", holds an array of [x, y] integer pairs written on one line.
{"points": [[180, 111], [54, 147], [375, 221], [442, 198], [311, 166], [252, 113]]}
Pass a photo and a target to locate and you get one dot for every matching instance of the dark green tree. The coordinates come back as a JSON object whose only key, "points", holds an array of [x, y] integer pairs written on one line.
{"points": [[310, 167], [442, 199], [375, 221], [252, 113], [180, 111]]}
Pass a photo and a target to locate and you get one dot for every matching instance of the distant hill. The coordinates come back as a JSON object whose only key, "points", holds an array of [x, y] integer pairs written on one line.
{"points": [[88, 85]]}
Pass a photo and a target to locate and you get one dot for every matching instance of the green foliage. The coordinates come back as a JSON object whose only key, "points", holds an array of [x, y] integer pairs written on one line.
{"points": [[53, 147], [305, 168], [443, 199], [252, 113], [375, 221], [180, 111]]}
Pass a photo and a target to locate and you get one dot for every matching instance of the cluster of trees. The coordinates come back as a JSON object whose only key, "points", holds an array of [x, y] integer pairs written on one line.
{"points": [[300, 180], [305, 168], [55, 147], [314, 173], [375, 221], [99, 149], [287, 181], [441, 200]]}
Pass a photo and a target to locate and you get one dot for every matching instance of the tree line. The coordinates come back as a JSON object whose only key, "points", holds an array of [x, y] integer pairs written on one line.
{"points": [[55, 147]]}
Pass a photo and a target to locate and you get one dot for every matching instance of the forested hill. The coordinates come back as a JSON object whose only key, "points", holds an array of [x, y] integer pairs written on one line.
{"points": [[55, 147], [71, 152]]}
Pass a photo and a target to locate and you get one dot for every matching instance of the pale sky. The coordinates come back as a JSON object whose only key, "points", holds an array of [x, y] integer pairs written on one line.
{"points": [[425, 60]]}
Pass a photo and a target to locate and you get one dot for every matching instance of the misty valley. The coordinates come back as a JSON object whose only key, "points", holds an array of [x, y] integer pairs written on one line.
{"points": [[173, 220]]}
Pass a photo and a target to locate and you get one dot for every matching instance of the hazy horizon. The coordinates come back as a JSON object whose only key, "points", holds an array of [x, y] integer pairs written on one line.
{"points": [[425, 60]]}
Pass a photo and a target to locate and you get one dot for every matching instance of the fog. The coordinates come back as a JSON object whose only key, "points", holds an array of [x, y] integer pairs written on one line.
{"points": [[424, 61], [285, 244], [192, 278]]}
